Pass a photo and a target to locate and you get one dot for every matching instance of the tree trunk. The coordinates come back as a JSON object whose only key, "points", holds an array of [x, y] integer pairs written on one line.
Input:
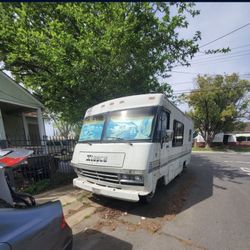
{"points": [[208, 140]]}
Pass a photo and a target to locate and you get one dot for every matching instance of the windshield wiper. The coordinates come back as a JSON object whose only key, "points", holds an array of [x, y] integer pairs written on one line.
{"points": [[116, 138], [119, 139]]}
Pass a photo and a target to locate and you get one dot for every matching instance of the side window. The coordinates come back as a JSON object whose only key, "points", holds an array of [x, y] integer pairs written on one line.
{"points": [[57, 143], [190, 135], [241, 138], [162, 124], [49, 143], [178, 134]]}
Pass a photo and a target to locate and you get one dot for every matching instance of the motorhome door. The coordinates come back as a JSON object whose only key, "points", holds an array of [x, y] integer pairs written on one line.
{"points": [[164, 144]]}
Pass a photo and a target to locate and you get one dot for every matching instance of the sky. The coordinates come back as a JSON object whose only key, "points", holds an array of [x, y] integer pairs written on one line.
{"points": [[215, 20]]}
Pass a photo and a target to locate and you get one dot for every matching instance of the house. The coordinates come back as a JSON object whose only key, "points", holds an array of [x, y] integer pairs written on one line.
{"points": [[243, 136], [20, 114], [235, 138]]}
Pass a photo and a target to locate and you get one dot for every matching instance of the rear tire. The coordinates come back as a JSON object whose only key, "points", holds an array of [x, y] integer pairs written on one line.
{"points": [[146, 199]]}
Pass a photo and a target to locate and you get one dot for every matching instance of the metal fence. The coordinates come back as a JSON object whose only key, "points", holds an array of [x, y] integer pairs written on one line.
{"points": [[49, 163]]}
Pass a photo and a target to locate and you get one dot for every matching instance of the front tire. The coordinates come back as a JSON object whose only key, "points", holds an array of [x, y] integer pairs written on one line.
{"points": [[146, 199]]}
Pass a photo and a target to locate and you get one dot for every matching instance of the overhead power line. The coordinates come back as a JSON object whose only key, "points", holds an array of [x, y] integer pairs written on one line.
{"points": [[231, 32], [189, 73], [181, 83], [238, 47], [221, 59], [186, 91], [216, 59], [213, 56], [199, 73]]}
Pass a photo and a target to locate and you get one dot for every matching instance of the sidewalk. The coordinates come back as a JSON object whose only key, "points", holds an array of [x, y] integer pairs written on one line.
{"points": [[75, 203]]}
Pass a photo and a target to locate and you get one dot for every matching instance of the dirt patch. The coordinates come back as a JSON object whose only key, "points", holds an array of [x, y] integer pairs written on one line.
{"points": [[149, 225], [110, 214], [110, 224], [108, 218], [177, 199], [164, 208]]}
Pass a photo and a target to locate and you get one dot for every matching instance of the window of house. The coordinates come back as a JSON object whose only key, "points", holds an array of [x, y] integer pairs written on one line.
{"points": [[178, 133], [190, 135]]}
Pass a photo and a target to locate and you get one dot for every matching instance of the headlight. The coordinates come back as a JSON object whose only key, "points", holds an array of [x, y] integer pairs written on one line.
{"points": [[128, 178], [138, 178], [124, 177]]}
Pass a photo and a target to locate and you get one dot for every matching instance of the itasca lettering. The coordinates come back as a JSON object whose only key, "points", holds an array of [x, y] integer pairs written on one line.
{"points": [[97, 158]]}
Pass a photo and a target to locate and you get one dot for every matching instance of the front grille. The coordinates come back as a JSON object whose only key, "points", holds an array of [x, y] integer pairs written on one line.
{"points": [[98, 175]]}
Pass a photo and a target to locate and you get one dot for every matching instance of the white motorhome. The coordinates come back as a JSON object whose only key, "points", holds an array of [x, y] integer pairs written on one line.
{"points": [[127, 144]]}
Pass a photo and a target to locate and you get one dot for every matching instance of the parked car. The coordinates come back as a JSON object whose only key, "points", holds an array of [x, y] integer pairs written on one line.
{"points": [[41, 227], [23, 224], [62, 147]]}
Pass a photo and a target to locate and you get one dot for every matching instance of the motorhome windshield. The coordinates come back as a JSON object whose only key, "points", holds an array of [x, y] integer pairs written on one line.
{"points": [[92, 128], [128, 125]]}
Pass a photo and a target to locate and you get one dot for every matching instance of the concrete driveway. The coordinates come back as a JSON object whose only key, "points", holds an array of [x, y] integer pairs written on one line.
{"points": [[207, 207]]}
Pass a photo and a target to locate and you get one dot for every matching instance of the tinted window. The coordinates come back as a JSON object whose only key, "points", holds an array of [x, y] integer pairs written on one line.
{"points": [[178, 133], [65, 143]]}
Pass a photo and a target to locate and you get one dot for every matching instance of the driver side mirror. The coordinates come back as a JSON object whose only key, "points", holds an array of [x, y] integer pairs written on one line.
{"points": [[168, 135]]}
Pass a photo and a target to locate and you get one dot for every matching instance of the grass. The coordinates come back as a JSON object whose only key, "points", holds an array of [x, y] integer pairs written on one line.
{"points": [[239, 149], [37, 187], [222, 149]]}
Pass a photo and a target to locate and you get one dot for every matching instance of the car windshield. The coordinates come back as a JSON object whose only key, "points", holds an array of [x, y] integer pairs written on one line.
{"points": [[127, 125]]}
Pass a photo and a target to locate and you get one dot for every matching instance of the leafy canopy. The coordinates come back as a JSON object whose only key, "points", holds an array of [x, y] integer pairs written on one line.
{"points": [[218, 104], [75, 55]]}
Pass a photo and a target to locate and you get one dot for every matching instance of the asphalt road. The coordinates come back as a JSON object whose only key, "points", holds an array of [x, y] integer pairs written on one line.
{"points": [[207, 207]]}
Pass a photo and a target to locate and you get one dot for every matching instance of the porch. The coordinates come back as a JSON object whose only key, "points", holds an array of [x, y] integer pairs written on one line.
{"points": [[20, 124]]}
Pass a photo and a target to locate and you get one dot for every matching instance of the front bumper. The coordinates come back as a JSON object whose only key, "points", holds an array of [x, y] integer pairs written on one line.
{"points": [[122, 194]]}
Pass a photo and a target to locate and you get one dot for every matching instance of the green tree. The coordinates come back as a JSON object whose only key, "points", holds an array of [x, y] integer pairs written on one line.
{"points": [[218, 104], [74, 55]]}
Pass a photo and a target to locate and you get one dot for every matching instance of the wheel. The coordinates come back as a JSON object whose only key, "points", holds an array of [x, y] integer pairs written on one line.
{"points": [[146, 199], [184, 164]]}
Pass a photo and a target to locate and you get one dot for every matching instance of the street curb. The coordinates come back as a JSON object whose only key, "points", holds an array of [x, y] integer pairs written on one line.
{"points": [[219, 152]]}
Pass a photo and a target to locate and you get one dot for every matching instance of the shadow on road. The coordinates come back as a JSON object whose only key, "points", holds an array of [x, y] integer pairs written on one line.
{"points": [[194, 185], [93, 240]]}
